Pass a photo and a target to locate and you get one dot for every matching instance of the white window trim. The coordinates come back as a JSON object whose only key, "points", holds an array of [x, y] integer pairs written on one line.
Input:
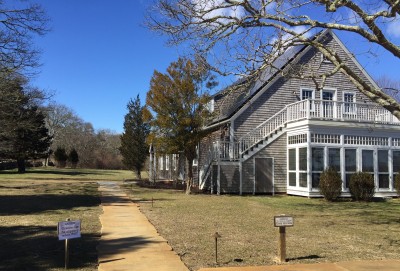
{"points": [[354, 107], [312, 107], [334, 90]]}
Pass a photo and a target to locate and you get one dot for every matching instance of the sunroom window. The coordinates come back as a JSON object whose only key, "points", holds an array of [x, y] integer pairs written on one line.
{"points": [[396, 163], [317, 165], [383, 168], [350, 162], [303, 167]]}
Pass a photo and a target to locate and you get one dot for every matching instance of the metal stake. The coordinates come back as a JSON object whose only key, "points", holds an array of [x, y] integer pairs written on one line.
{"points": [[216, 236], [66, 250]]}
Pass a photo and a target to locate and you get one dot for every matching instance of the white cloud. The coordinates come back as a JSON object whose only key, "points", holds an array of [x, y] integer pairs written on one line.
{"points": [[217, 8]]}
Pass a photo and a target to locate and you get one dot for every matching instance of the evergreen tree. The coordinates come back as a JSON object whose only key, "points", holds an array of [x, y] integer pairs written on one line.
{"points": [[73, 158], [24, 134], [61, 157], [178, 98], [134, 148]]}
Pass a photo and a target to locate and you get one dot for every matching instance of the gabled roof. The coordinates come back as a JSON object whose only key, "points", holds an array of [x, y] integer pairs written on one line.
{"points": [[236, 96], [241, 91]]}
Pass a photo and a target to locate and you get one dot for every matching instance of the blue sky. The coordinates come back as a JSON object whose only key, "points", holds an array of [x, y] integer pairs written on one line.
{"points": [[99, 55]]}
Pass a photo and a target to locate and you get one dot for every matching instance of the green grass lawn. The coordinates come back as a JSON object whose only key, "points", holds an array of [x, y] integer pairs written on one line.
{"points": [[323, 231], [32, 204]]}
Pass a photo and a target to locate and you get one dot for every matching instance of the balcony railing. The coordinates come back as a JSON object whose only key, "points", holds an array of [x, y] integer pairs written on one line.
{"points": [[307, 109]]}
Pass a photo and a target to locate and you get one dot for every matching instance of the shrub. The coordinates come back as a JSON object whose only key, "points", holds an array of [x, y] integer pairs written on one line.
{"points": [[362, 186], [397, 183], [61, 157], [330, 184], [73, 158]]}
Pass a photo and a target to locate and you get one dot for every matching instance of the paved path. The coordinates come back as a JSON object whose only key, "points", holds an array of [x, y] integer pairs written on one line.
{"points": [[128, 240], [386, 265]]}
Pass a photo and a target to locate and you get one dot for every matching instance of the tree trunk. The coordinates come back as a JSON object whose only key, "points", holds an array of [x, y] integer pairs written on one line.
{"points": [[21, 165], [190, 177]]}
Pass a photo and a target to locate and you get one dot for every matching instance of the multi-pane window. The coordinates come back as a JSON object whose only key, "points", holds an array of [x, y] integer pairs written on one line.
{"points": [[350, 162], [317, 158], [349, 103], [160, 163], [396, 163], [308, 94], [383, 168], [292, 167], [297, 139], [334, 158], [303, 167], [297, 167], [325, 138], [366, 140], [367, 159]]}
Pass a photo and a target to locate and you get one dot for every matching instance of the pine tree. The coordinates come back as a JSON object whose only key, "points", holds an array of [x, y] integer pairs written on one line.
{"points": [[23, 134], [134, 148]]}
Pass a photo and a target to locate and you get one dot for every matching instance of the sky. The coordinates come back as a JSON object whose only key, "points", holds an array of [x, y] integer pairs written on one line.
{"points": [[98, 56]]}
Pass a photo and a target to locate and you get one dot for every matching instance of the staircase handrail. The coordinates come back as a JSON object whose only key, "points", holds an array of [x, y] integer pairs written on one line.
{"points": [[263, 130]]}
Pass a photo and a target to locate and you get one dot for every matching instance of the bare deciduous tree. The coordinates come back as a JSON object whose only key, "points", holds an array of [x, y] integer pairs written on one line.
{"points": [[246, 37], [19, 21]]}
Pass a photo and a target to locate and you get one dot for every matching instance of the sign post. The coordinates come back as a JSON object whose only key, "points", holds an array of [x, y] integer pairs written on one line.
{"points": [[282, 221], [68, 230]]}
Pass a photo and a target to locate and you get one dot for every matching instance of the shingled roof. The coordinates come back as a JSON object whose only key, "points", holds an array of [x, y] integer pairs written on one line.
{"points": [[232, 98]]}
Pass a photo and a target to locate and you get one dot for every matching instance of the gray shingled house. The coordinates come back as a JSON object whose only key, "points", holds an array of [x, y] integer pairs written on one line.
{"points": [[278, 133]]}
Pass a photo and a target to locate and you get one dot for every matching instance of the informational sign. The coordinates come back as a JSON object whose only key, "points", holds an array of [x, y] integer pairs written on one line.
{"points": [[283, 221], [69, 229]]}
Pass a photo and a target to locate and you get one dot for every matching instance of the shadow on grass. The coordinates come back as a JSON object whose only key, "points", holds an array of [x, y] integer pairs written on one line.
{"points": [[38, 248], [31, 204], [58, 171]]}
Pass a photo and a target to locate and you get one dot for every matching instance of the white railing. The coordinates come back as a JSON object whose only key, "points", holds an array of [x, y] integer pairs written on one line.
{"points": [[342, 111], [262, 131], [307, 109]]}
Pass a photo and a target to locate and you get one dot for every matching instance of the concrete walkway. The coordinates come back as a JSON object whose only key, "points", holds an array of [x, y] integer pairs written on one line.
{"points": [[385, 265], [128, 240]]}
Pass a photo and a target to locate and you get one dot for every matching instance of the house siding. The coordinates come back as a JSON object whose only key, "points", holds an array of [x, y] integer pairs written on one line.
{"points": [[230, 178], [277, 150], [287, 90]]}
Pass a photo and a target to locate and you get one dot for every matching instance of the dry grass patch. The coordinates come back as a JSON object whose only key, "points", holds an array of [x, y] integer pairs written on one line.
{"points": [[323, 231], [32, 204]]}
